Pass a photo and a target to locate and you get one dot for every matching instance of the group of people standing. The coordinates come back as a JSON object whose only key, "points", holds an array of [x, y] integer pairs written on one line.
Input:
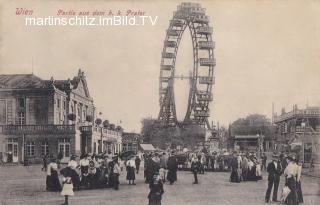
{"points": [[164, 164], [245, 167], [291, 168], [91, 172]]}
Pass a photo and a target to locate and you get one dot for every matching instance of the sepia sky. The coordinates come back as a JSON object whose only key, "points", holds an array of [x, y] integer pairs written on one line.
{"points": [[266, 51]]}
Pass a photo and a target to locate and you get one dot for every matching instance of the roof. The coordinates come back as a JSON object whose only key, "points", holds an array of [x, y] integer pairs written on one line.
{"points": [[18, 81], [246, 136], [147, 147]]}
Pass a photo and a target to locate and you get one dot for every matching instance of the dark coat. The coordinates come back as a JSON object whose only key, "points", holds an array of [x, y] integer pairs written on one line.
{"points": [[172, 163], [273, 172]]}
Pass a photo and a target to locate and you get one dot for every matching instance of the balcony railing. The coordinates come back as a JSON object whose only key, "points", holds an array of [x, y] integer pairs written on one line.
{"points": [[37, 129], [298, 113]]}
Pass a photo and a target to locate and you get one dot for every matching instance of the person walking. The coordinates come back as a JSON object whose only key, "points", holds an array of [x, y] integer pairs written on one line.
{"points": [[264, 162], [156, 191], [299, 189], [291, 173], [274, 170], [137, 162], [131, 166], [67, 188], [73, 164], [195, 168], [44, 163], [172, 169], [52, 182], [115, 173], [234, 177], [163, 166]]}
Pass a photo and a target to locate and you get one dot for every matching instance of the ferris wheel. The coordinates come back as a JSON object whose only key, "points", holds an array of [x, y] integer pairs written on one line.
{"points": [[193, 17]]}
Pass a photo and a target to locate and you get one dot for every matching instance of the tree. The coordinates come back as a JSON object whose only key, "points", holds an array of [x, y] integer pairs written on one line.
{"points": [[163, 136], [106, 124], [118, 128], [98, 121], [72, 117], [112, 127], [89, 118], [252, 125]]}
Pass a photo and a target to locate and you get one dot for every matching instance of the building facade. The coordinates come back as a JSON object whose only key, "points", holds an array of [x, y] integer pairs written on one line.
{"points": [[130, 142], [299, 131], [44, 117]]}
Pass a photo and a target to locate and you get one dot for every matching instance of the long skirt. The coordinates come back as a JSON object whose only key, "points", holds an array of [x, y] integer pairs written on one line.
{"points": [[130, 173], [115, 181], [172, 175], [292, 198], [299, 192], [251, 175], [75, 179], [52, 182], [234, 177]]}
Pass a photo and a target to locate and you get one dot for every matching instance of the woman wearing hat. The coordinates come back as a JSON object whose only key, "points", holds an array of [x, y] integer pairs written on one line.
{"points": [[156, 190], [52, 182], [299, 189], [84, 167], [291, 173], [131, 166], [73, 165]]}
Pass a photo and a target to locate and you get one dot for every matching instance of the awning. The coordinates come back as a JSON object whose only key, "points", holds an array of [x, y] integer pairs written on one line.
{"points": [[147, 147], [246, 136]]}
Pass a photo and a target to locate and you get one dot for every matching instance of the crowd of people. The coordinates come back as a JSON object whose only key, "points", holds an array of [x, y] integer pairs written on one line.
{"points": [[92, 171], [100, 171]]}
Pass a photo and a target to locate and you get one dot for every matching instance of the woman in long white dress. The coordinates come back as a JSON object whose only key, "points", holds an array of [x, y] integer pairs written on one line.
{"points": [[291, 173]]}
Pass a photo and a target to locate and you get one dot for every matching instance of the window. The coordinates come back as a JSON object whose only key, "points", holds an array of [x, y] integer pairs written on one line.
{"points": [[64, 147], [21, 118], [64, 105], [44, 148], [3, 114], [72, 109], [58, 103], [30, 148], [21, 102]]}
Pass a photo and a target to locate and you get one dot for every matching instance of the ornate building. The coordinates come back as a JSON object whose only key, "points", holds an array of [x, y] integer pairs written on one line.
{"points": [[131, 141], [299, 131], [45, 117]]}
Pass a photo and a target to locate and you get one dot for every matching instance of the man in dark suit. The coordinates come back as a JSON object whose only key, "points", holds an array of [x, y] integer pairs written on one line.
{"points": [[275, 170]]}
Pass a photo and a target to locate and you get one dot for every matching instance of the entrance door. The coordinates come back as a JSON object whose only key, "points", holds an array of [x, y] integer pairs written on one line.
{"points": [[64, 148], [12, 150]]}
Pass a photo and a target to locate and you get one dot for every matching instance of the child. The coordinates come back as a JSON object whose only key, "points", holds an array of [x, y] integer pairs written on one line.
{"points": [[162, 174], [156, 190], [67, 189]]}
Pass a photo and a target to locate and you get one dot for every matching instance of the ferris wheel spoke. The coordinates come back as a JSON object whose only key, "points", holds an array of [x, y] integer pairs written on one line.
{"points": [[193, 16]]}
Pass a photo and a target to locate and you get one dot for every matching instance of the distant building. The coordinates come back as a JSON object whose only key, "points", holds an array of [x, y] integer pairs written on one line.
{"points": [[45, 117], [299, 131], [130, 142]]}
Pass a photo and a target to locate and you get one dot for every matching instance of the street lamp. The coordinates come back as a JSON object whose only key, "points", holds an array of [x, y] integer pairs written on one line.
{"points": [[303, 126]]}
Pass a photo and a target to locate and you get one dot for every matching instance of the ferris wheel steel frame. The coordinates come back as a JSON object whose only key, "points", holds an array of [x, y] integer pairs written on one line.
{"points": [[193, 16]]}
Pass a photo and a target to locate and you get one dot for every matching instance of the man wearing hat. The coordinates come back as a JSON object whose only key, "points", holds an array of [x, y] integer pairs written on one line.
{"points": [[274, 170]]}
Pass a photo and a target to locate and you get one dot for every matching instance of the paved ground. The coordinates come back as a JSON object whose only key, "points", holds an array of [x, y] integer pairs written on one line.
{"points": [[26, 185]]}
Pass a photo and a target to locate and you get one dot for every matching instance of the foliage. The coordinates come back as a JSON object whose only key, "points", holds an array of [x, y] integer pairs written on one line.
{"points": [[72, 117], [106, 123], [112, 127], [89, 118], [98, 121], [165, 136], [252, 125], [119, 128]]}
